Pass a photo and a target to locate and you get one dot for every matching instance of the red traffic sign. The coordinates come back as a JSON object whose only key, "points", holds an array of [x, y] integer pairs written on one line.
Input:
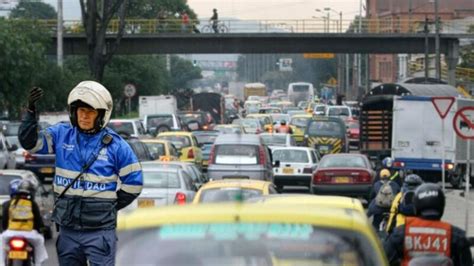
{"points": [[463, 122], [443, 105]]}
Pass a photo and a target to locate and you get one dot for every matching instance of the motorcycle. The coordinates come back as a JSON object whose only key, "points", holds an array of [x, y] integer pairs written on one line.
{"points": [[20, 252]]}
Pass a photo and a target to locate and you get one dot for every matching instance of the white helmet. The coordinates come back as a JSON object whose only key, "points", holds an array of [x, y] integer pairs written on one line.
{"points": [[91, 94]]}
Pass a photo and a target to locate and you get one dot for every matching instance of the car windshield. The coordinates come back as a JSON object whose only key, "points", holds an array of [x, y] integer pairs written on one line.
{"points": [[206, 138], [186, 118], [325, 128], [228, 194], [338, 111], [228, 130], [178, 141], [246, 244], [352, 125], [122, 127], [156, 149], [279, 117], [342, 161], [11, 129], [290, 156], [13, 140], [274, 140], [5, 183], [236, 154], [157, 121], [300, 122], [160, 179]]}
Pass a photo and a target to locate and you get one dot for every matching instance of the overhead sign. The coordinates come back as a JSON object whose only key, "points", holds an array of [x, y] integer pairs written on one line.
{"points": [[129, 90], [442, 105], [319, 55], [463, 122], [286, 64]]}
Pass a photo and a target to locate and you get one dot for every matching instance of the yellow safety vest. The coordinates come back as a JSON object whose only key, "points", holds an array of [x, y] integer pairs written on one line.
{"points": [[20, 215]]}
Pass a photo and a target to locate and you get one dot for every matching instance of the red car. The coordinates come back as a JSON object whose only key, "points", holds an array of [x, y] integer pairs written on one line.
{"points": [[353, 134], [346, 174]]}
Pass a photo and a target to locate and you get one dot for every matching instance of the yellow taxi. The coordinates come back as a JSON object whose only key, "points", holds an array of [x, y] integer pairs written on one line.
{"points": [[186, 144], [233, 189], [298, 125], [162, 150], [247, 234], [266, 120]]}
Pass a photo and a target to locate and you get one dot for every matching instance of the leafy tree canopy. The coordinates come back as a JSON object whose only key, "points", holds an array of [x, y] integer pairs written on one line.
{"points": [[33, 10]]}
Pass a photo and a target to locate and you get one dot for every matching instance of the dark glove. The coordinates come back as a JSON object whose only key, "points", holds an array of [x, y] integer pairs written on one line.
{"points": [[35, 94]]}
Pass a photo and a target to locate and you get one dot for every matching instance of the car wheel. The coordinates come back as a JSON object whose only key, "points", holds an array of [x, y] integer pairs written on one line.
{"points": [[279, 188]]}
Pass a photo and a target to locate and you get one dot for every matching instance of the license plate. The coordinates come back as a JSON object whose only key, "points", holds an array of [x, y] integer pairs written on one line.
{"points": [[205, 163], [342, 179], [288, 170], [146, 203], [18, 255], [46, 170]]}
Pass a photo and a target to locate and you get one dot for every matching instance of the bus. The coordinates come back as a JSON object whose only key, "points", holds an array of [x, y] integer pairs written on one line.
{"points": [[300, 91]]}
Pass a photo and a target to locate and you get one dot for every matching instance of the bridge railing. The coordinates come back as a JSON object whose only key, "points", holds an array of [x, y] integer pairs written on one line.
{"points": [[388, 25]]}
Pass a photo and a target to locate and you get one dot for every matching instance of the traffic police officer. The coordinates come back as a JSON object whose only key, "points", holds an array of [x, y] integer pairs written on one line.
{"points": [[107, 173]]}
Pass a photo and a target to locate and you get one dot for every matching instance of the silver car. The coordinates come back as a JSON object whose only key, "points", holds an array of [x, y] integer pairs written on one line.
{"points": [[191, 169], [164, 186], [242, 155]]}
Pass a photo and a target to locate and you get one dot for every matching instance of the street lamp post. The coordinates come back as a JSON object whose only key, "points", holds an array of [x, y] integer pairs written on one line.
{"points": [[340, 17], [326, 26], [60, 34], [438, 57]]}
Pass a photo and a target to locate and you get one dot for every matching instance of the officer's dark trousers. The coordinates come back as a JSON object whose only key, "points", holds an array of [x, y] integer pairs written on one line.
{"points": [[77, 247]]}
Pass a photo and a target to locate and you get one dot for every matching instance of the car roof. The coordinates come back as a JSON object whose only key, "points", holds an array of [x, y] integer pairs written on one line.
{"points": [[124, 120], [15, 172], [146, 140], [242, 183], [175, 133], [161, 164], [238, 138], [292, 148], [275, 134], [302, 115]]}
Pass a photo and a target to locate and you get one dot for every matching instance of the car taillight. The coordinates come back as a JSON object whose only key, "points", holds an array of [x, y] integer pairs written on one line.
{"points": [[398, 164], [211, 155], [307, 170], [191, 154], [363, 177], [28, 156], [448, 166], [17, 243], [261, 155], [180, 198], [321, 177], [205, 127]]}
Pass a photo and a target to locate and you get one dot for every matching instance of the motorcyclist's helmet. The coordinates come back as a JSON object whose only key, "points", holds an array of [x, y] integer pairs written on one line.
{"points": [[412, 181], [384, 173], [13, 187], [387, 162], [90, 94], [429, 201], [283, 122]]}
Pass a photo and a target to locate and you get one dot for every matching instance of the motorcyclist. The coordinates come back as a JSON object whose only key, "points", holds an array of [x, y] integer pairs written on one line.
{"points": [[426, 233], [402, 205], [21, 217], [395, 175], [284, 128], [377, 209], [97, 173]]}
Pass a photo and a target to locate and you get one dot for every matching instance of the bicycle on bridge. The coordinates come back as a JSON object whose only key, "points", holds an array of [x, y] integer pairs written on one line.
{"points": [[215, 27]]}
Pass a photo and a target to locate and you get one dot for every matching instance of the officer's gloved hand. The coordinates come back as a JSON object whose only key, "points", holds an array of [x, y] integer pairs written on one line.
{"points": [[35, 94]]}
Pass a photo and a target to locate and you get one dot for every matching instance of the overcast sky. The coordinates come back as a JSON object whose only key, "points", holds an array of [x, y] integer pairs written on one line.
{"points": [[249, 9]]}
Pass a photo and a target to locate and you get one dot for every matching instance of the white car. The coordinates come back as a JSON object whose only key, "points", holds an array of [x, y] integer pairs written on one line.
{"points": [[297, 165], [278, 139], [341, 111], [129, 127]]}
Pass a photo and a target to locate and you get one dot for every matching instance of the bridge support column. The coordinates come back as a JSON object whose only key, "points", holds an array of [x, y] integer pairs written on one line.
{"points": [[452, 61]]}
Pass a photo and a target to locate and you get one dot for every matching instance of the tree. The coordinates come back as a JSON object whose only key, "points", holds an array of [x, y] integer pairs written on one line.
{"points": [[33, 10], [96, 17], [467, 52], [148, 9], [22, 48], [183, 71]]}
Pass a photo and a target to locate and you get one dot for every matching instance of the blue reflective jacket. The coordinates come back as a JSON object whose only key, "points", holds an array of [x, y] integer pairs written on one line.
{"points": [[112, 182]]}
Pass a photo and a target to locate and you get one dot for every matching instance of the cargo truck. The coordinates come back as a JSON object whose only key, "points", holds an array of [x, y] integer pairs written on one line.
{"points": [[254, 89]]}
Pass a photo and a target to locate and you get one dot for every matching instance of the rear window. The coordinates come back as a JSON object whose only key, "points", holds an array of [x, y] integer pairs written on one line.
{"points": [[228, 130], [326, 128], [160, 179], [156, 149], [228, 194], [178, 141], [290, 156], [343, 161], [5, 183], [157, 121], [300, 122], [273, 140], [205, 139], [122, 127], [186, 118], [342, 111], [12, 129], [236, 154]]}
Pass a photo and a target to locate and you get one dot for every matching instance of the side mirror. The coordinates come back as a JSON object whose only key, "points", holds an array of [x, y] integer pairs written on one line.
{"points": [[13, 147], [276, 164]]}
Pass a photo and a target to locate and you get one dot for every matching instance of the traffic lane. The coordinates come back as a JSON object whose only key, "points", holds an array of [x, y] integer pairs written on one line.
{"points": [[51, 249]]}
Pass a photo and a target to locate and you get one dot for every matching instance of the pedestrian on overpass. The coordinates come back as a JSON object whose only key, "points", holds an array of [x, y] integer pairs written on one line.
{"points": [[215, 20], [97, 173], [426, 234]]}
